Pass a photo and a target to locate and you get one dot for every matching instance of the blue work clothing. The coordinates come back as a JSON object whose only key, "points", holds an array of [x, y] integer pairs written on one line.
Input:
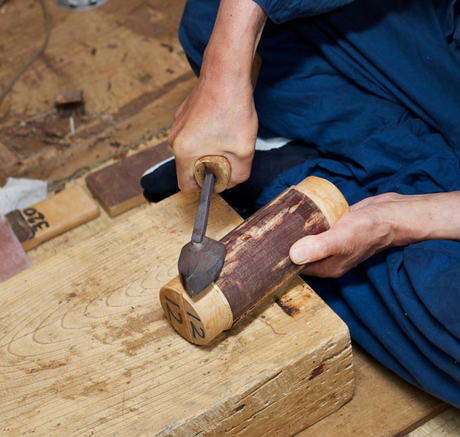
{"points": [[374, 87]]}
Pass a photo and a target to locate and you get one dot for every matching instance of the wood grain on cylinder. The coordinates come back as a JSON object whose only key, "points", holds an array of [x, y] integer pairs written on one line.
{"points": [[257, 263], [327, 197]]}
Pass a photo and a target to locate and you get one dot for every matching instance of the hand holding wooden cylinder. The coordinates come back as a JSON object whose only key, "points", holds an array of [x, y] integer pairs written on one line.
{"points": [[257, 262]]}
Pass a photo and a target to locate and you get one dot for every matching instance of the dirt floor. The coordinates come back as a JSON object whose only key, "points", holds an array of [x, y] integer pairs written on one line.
{"points": [[124, 56]]}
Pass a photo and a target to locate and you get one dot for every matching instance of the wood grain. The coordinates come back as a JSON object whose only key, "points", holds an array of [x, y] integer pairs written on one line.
{"points": [[85, 348], [384, 405], [219, 166], [257, 260], [445, 424], [100, 224]]}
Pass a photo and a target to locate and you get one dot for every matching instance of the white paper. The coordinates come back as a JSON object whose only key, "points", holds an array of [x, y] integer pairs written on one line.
{"points": [[21, 193]]}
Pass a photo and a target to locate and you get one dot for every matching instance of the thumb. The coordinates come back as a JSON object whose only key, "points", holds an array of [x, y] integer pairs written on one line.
{"points": [[313, 248]]}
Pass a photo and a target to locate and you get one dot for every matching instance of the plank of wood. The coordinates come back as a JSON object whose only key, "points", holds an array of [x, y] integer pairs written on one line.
{"points": [[117, 187], [85, 348], [384, 405], [12, 255], [40, 222], [130, 94], [445, 424]]}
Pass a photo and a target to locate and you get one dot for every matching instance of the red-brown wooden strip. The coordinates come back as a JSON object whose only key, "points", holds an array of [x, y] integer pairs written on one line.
{"points": [[117, 187]]}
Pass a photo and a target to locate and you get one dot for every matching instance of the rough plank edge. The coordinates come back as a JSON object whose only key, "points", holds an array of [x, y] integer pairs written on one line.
{"points": [[277, 418], [417, 424]]}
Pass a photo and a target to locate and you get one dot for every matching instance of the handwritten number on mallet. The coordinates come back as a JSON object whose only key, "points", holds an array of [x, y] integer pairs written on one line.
{"points": [[178, 318], [171, 314], [195, 331]]}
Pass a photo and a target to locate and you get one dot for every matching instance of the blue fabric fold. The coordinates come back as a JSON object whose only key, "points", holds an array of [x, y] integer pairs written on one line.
{"points": [[434, 272], [281, 11]]}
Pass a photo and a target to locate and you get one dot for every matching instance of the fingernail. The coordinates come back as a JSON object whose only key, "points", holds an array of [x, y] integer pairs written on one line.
{"points": [[300, 255]]}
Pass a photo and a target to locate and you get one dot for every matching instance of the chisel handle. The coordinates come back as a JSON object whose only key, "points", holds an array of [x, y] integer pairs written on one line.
{"points": [[219, 166]]}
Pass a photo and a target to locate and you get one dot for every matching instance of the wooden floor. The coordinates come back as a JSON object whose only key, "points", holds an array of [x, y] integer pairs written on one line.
{"points": [[443, 425], [126, 58]]}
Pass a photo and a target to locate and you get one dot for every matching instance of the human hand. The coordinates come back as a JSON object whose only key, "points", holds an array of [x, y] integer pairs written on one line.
{"points": [[374, 224], [217, 118]]}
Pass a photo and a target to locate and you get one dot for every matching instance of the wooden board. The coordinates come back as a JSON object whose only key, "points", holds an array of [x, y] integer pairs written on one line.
{"points": [[128, 62], [85, 349], [51, 217], [384, 405], [117, 187], [445, 424], [100, 224]]}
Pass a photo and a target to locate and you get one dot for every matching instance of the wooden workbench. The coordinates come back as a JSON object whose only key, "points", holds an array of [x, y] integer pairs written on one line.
{"points": [[125, 106], [383, 404], [85, 348]]}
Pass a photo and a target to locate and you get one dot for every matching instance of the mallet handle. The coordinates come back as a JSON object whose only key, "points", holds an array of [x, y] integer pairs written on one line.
{"points": [[219, 166]]}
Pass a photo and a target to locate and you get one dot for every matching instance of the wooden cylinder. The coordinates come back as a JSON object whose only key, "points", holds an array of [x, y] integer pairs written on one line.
{"points": [[257, 263]]}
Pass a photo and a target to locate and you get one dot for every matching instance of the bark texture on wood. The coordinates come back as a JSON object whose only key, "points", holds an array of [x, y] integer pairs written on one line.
{"points": [[257, 261]]}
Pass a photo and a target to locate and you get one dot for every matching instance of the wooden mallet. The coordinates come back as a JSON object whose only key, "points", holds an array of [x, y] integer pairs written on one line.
{"points": [[257, 260]]}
